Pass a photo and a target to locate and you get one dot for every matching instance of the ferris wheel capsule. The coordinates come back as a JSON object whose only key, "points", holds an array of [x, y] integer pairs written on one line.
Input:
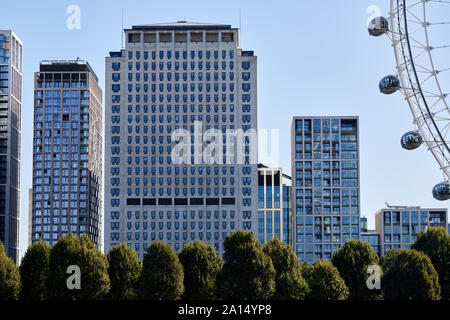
{"points": [[378, 26], [441, 191], [389, 84], [411, 140]]}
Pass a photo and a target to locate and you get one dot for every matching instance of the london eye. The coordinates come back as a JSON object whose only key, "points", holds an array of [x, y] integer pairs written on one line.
{"points": [[422, 75]]}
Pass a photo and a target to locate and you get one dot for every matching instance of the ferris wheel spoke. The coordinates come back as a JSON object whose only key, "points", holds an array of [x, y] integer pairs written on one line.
{"points": [[440, 47]]}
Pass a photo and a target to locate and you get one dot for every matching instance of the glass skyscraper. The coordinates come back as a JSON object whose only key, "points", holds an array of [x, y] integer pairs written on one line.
{"points": [[67, 152], [270, 205], [10, 140], [170, 78], [325, 182]]}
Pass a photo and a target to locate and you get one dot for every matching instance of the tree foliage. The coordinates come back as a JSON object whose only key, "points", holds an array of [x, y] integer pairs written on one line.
{"points": [[409, 274], [435, 243], [81, 252], [162, 274], [352, 261], [325, 282], [289, 283], [34, 271], [201, 266], [247, 273], [9, 277], [124, 272]]}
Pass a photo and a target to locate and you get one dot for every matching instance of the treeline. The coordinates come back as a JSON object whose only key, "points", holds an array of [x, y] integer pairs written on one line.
{"points": [[248, 271]]}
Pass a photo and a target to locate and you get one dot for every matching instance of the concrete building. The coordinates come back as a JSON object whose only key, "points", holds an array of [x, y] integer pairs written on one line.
{"points": [[67, 152], [171, 80], [325, 183], [398, 226], [10, 140]]}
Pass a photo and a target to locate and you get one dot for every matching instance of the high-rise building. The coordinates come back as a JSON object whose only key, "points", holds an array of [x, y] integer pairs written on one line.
{"points": [[172, 80], [10, 140], [67, 152], [398, 226], [325, 182]]}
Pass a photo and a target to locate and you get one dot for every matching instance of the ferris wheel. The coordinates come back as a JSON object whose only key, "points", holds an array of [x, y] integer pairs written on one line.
{"points": [[422, 76]]}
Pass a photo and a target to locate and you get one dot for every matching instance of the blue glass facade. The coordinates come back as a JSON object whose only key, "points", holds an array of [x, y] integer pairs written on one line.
{"points": [[271, 220]]}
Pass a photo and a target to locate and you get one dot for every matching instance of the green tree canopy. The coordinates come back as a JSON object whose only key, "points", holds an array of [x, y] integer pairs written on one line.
{"points": [[162, 273], [124, 272], [9, 277], [73, 251], [325, 282], [34, 271], [247, 273], [352, 261], [201, 266], [409, 274], [289, 283], [435, 243]]}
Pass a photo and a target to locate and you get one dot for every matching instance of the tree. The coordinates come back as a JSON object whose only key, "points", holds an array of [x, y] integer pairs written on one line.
{"points": [[201, 266], [9, 277], [435, 243], [289, 283], [124, 272], [409, 275], [352, 261], [73, 251], [325, 282], [34, 271], [247, 273], [162, 273]]}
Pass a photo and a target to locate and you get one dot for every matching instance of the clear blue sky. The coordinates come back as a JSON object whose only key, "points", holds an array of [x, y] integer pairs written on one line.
{"points": [[314, 58]]}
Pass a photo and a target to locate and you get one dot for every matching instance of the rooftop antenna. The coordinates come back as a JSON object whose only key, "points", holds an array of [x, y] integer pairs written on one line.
{"points": [[121, 31], [240, 27]]}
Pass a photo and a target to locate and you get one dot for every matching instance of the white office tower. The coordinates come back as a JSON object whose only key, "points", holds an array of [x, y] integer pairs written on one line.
{"points": [[180, 140]]}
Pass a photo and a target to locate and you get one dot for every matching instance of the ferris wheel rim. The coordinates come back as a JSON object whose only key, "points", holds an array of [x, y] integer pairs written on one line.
{"points": [[403, 59]]}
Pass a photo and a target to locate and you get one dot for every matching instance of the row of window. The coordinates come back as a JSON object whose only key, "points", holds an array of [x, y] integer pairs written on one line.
{"points": [[184, 54]]}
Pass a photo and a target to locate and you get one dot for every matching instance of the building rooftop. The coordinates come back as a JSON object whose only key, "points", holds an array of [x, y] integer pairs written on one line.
{"points": [[180, 25], [66, 65]]}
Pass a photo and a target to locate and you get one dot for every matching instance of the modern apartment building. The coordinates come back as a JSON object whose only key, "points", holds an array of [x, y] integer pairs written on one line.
{"points": [[398, 226], [325, 183], [67, 152], [170, 92], [10, 140]]}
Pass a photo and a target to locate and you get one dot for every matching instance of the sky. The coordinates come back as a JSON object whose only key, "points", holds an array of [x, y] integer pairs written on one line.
{"points": [[314, 58]]}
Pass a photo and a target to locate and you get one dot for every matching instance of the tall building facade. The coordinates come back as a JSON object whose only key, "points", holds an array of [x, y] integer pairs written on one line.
{"points": [[172, 77], [270, 205], [325, 183], [67, 152], [287, 214], [10, 140], [398, 227]]}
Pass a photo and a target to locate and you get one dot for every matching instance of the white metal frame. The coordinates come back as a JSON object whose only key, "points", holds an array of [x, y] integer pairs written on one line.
{"points": [[420, 83]]}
